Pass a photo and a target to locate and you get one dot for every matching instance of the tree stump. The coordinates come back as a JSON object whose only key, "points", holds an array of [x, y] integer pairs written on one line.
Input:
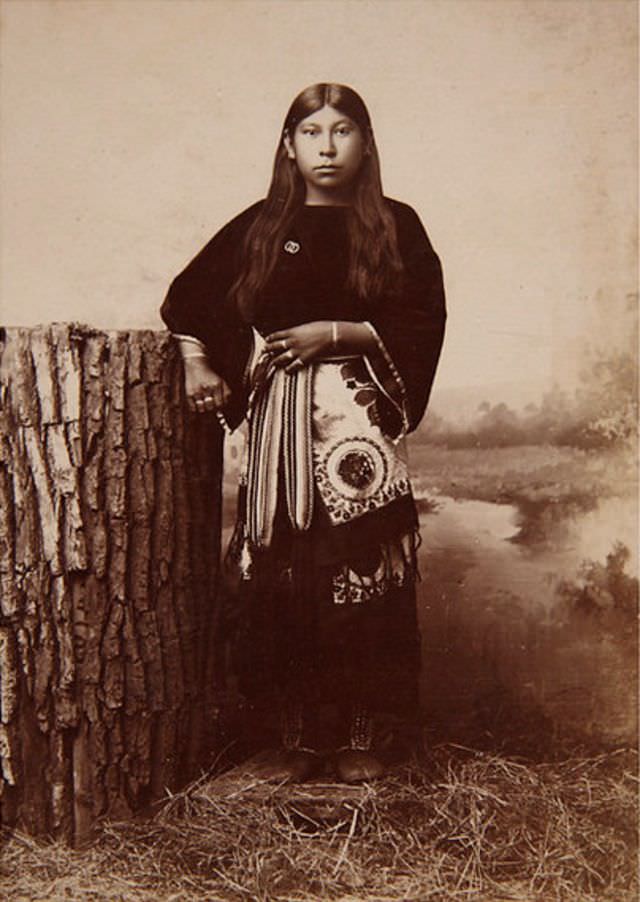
{"points": [[109, 545]]}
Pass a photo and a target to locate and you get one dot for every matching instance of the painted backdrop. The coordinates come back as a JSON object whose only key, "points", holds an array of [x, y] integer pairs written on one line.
{"points": [[133, 130]]}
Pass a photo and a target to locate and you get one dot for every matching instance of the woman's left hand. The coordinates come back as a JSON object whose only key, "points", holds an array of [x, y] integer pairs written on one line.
{"points": [[298, 346]]}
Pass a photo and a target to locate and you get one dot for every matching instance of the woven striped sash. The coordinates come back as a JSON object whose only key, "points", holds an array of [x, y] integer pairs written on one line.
{"points": [[279, 428]]}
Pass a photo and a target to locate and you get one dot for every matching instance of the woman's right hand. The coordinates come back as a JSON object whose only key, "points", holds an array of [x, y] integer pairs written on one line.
{"points": [[206, 391]]}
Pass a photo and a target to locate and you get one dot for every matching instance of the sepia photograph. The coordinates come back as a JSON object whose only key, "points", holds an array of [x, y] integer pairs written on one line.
{"points": [[319, 450]]}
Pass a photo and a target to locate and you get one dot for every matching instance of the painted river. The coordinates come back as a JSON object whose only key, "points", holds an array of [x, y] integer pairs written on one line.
{"points": [[494, 628]]}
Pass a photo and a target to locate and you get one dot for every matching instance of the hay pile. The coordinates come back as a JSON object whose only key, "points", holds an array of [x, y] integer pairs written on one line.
{"points": [[460, 825]]}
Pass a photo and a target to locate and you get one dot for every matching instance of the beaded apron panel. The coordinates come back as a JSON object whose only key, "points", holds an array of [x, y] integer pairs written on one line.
{"points": [[357, 468]]}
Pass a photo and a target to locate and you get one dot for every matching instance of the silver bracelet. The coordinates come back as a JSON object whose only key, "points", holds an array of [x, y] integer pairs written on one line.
{"points": [[334, 335]]}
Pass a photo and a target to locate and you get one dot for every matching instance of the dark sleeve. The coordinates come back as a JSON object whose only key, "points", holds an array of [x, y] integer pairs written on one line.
{"points": [[410, 327], [198, 304]]}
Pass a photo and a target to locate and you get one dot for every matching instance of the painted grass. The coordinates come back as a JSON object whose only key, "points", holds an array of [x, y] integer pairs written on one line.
{"points": [[460, 825], [528, 473]]}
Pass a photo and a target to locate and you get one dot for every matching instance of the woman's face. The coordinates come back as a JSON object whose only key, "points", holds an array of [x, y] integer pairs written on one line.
{"points": [[328, 148]]}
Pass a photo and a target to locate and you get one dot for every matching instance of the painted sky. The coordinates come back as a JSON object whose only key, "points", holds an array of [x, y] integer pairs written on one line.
{"points": [[133, 129]]}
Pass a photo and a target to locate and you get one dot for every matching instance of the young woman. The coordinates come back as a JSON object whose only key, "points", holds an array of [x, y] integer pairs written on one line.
{"points": [[318, 314]]}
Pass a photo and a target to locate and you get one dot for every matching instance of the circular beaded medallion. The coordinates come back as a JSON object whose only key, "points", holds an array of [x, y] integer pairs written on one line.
{"points": [[356, 468]]}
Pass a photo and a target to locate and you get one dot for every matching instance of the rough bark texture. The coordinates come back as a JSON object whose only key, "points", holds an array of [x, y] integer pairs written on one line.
{"points": [[109, 534]]}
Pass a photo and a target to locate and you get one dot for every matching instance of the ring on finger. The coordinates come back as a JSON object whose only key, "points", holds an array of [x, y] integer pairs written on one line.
{"points": [[207, 399]]}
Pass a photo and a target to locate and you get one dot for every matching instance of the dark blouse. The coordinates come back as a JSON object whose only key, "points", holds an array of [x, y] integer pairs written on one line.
{"points": [[309, 283]]}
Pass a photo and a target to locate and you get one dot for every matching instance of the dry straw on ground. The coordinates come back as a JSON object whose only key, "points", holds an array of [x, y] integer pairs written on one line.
{"points": [[459, 825]]}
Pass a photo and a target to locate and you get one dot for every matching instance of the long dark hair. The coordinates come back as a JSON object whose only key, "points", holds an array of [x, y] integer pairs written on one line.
{"points": [[374, 259]]}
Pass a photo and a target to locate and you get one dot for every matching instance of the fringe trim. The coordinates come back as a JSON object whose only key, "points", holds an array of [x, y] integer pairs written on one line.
{"points": [[398, 567]]}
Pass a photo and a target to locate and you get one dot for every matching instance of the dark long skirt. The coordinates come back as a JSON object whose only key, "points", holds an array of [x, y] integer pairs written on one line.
{"points": [[297, 648]]}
